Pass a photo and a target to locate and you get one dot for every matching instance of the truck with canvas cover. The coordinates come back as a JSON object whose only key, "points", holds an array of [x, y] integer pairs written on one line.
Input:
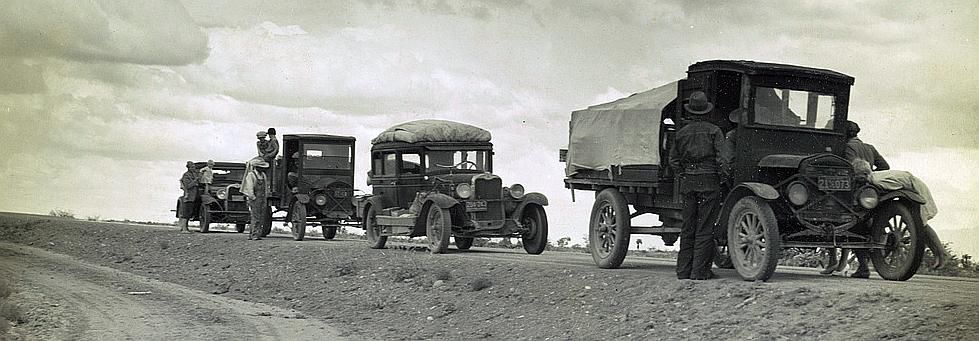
{"points": [[435, 178], [789, 186]]}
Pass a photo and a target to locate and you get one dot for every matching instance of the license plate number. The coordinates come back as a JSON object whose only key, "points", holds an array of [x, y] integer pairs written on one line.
{"points": [[341, 194], [476, 206], [834, 183], [237, 198]]}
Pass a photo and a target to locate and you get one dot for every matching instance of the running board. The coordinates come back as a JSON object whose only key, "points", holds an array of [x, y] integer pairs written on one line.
{"points": [[654, 230]]}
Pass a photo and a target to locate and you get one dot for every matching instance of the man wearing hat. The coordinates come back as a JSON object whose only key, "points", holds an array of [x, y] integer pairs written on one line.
{"points": [[271, 147], [255, 187], [262, 143], [188, 183], [858, 150], [701, 158]]}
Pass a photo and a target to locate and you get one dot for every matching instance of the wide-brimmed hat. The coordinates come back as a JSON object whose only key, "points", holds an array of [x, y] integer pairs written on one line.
{"points": [[258, 162], [261, 134], [190, 164], [698, 104]]}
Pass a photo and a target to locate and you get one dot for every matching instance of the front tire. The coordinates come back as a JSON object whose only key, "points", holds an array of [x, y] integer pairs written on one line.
{"points": [[298, 221], [438, 228], [535, 219], [753, 239], [609, 229], [900, 231], [372, 230], [205, 220]]}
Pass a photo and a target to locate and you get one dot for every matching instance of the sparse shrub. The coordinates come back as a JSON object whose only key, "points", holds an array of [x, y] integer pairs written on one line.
{"points": [[443, 275], [93, 218], [62, 213], [480, 284], [11, 312]]}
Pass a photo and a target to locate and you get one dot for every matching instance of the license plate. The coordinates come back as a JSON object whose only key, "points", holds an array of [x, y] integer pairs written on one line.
{"points": [[237, 198], [476, 206], [833, 183], [341, 194]]}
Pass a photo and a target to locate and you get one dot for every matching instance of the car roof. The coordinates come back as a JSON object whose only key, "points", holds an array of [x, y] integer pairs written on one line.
{"points": [[319, 137], [754, 68], [222, 164]]}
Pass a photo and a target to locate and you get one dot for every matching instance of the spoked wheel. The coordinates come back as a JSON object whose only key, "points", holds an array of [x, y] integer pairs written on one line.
{"points": [[205, 219], [535, 220], [438, 228], [753, 240], [464, 243], [373, 230], [900, 232], [298, 220], [329, 232], [722, 257], [239, 228], [608, 233]]}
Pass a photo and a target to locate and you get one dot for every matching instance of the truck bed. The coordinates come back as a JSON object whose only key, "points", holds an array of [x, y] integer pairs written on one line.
{"points": [[643, 176]]}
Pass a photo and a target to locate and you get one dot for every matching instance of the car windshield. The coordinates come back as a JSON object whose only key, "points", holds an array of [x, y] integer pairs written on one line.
{"points": [[326, 156], [228, 174], [443, 160], [794, 108]]}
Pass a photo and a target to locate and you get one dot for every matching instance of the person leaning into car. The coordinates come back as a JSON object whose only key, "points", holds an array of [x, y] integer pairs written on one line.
{"points": [[702, 158], [255, 187]]}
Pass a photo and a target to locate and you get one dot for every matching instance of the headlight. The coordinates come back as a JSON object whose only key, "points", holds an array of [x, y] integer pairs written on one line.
{"points": [[320, 200], [516, 191], [223, 193], [798, 193], [464, 191], [868, 198]]}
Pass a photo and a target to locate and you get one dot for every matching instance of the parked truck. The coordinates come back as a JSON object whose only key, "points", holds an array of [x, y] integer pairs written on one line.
{"points": [[790, 185]]}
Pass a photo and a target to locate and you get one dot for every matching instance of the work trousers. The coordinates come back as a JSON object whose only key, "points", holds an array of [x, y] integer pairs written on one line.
{"points": [[256, 208], [697, 233]]}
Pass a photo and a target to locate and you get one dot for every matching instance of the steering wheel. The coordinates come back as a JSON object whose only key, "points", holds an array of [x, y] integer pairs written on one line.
{"points": [[466, 165]]}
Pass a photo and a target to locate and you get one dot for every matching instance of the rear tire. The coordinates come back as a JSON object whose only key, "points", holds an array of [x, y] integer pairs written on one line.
{"points": [[372, 230], [438, 228], [205, 221], [464, 243], [298, 220], [240, 228], [608, 232], [753, 239], [329, 232], [900, 230], [535, 241]]}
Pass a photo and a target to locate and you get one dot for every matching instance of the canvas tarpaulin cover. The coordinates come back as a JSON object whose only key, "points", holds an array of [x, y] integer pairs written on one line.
{"points": [[433, 131], [619, 133]]}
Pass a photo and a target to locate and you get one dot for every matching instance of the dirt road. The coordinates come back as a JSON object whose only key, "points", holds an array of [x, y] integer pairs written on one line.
{"points": [[478, 294], [89, 302]]}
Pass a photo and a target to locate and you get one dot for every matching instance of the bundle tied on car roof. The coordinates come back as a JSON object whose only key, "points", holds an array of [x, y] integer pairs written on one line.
{"points": [[433, 131], [619, 133]]}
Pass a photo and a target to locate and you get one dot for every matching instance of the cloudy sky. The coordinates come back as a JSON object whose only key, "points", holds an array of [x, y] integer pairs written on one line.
{"points": [[103, 101]]}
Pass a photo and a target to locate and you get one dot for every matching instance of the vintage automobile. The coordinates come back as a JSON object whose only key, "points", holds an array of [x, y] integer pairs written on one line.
{"points": [[223, 203], [434, 178], [313, 183], [791, 186]]}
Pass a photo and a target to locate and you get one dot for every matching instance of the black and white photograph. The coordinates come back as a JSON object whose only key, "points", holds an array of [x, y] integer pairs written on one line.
{"points": [[489, 170]]}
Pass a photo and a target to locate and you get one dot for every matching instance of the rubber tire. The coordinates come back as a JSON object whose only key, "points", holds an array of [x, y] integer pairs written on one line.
{"points": [[438, 228], [464, 243], [535, 243], [298, 224], [329, 232], [614, 200], [765, 267], [375, 239], [205, 219], [240, 228], [914, 240], [722, 258]]}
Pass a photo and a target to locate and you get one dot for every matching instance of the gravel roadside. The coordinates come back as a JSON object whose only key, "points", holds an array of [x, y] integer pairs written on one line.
{"points": [[408, 295]]}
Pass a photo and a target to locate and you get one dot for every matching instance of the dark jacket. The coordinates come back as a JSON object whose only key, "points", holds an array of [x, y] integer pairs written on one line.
{"points": [[700, 148], [857, 149]]}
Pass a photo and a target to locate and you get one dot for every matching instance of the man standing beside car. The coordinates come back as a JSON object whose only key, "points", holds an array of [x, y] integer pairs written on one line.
{"points": [[255, 188], [702, 159], [857, 149], [188, 201]]}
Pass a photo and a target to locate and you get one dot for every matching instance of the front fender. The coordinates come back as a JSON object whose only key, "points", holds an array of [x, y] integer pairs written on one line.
{"points": [[303, 198], [903, 194], [529, 198], [207, 199], [742, 190], [765, 191], [442, 200]]}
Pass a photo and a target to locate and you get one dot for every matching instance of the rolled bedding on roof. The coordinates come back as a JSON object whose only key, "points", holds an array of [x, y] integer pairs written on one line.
{"points": [[433, 131]]}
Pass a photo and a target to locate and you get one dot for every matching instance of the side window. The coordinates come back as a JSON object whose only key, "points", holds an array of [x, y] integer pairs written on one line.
{"points": [[377, 164], [390, 164], [411, 164]]}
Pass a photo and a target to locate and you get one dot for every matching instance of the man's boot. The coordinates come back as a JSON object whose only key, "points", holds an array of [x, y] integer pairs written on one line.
{"points": [[831, 262], [863, 270], [182, 223]]}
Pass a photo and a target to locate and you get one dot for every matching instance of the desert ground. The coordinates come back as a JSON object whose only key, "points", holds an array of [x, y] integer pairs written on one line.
{"points": [[94, 280]]}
